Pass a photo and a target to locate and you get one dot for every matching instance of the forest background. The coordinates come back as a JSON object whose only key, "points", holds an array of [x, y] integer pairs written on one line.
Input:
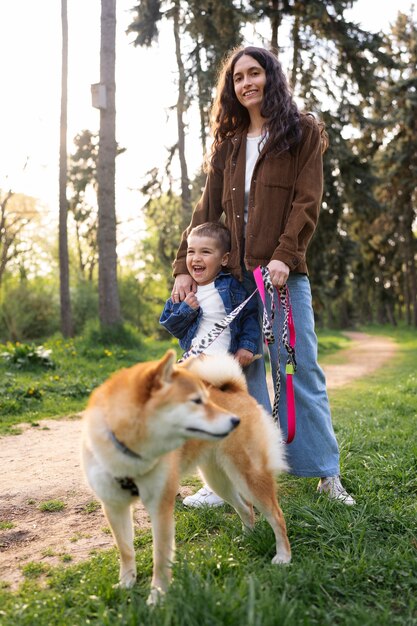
{"points": [[362, 84]]}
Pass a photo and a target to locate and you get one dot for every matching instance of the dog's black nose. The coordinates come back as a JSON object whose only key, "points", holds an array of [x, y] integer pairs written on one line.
{"points": [[235, 421]]}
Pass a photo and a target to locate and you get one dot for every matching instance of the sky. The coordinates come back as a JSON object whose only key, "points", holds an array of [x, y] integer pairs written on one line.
{"points": [[30, 83]]}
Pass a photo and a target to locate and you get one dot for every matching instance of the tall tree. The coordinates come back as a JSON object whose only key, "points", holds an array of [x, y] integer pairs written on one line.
{"points": [[332, 73], [396, 162], [215, 28], [109, 302], [146, 26], [82, 177], [17, 214], [181, 108], [65, 299]]}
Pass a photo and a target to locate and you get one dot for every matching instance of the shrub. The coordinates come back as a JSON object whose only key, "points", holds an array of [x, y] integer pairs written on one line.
{"points": [[84, 302], [124, 335], [52, 506], [29, 310], [23, 355]]}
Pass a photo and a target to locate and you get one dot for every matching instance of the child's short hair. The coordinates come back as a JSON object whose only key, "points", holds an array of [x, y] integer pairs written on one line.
{"points": [[215, 230]]}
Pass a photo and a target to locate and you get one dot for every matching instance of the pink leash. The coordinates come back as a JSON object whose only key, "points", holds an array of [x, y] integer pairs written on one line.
{"points": [[262, 277]]}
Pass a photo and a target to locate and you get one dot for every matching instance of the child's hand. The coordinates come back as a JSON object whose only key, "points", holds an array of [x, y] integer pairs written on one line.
{"points": [[191, 300], [244, 357]]}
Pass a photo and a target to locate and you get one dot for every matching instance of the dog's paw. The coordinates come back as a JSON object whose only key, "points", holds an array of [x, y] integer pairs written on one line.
{"points": [[281, 558], [127, 581], [155, 597]]}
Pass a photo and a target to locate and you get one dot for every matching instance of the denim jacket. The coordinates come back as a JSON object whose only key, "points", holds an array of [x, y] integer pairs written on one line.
{"points": [[182, 321]]}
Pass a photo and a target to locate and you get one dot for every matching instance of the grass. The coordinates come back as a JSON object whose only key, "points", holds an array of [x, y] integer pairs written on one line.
{"points": [[31, 391], [351, 566], [52, 506]]}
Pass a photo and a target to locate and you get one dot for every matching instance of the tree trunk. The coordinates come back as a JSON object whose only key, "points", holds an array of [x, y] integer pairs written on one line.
{"points": [[407, 298], [65, 299], [275, 24], [109, 303], [201, 99], [296, 50], [411, 267], [185, 181]]}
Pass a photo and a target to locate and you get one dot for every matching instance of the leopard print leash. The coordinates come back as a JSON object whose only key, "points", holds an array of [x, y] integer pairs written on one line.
{"points": [[288, 331], [215, 332], [263, 282]]}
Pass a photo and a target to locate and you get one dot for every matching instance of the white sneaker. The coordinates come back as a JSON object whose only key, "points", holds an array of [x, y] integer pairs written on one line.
{"points": [[335, 490], [203, 497]]}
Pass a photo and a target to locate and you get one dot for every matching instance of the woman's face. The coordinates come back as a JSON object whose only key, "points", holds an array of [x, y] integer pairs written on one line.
{"points": [[249, 80]]}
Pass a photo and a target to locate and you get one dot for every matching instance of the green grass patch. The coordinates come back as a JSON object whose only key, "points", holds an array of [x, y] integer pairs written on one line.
{"points": [[30, 391], [353, 566], [34, 570], [330, 342], [52, 506]]}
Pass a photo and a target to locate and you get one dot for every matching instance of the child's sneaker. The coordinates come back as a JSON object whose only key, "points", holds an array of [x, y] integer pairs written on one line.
{"points": [[203, 497], [335, 490]]}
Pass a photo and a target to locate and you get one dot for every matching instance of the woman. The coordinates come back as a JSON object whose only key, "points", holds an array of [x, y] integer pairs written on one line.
{"points": [[266, 176]]}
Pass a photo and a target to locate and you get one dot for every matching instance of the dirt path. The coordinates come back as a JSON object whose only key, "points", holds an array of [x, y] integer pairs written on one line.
{"points": [[43, 464]]}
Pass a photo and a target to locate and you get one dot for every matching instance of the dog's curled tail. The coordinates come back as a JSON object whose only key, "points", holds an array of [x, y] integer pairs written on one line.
{"points": [[218, 370]]}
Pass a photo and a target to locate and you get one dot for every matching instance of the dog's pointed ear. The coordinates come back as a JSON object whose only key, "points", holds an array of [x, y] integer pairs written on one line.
{"points": [[165, 367]]}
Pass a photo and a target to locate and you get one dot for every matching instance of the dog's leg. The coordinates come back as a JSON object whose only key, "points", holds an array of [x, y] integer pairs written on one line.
{"points": [[262, 493], [220, 482], [243, 508], [161, 512], [121, 524]]}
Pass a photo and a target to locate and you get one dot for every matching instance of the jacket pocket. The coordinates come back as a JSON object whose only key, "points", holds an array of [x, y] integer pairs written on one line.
{"points": [[278, 171]]}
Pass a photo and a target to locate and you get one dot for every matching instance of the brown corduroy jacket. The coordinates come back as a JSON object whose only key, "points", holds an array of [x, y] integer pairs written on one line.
{"points": [[284, 202]]}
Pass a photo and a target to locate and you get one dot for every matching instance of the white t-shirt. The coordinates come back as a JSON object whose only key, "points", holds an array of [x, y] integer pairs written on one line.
{"points": [[213, 309], [253, 147]]}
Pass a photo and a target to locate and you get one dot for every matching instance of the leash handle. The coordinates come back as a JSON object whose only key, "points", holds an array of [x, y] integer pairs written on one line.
{"points": [[263, 279]]}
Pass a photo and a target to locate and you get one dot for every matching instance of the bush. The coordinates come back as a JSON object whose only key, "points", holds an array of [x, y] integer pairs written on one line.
{"points": [[23, 355], [84, 303], [29, 310], [124, 335]]}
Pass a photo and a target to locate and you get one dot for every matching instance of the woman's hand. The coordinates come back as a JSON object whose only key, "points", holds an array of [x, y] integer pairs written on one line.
{"points": [[279, 272], [183, 285]]}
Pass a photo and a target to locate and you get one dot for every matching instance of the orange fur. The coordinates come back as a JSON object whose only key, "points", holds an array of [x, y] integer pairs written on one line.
{"points": [[147, 424]]}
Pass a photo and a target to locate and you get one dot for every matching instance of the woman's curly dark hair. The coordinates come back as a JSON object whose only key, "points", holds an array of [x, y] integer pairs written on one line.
{"points": [[278, 108]]}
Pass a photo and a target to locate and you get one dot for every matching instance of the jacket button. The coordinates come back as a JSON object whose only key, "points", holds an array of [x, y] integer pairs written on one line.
{"points": [[295, 261], [233, 188]]}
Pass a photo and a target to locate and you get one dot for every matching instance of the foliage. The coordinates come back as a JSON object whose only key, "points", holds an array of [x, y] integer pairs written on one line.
{"points": [[362, 259], [28, 309], [18, 215], [122, 335], [26, 356], [395, 241], [352, 566], [52, 506], [82, 203], [81, 364], [84, 301]]}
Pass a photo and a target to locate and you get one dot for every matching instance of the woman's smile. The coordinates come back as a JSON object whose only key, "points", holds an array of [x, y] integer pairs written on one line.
{"points": [[249, 80]]}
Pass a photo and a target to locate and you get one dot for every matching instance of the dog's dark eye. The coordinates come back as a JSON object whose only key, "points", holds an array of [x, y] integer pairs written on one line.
{"points": [[197, 401]]}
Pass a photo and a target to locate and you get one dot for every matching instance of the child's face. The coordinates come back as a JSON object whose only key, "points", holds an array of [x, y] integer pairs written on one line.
{"points": [[205, 258]]}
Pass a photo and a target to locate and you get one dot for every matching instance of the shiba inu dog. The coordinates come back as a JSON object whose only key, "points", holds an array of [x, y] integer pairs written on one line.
{"points": [[148, 424]]}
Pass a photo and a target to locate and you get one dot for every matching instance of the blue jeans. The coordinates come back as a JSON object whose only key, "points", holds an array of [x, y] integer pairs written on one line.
{"points": [[314, 450]]}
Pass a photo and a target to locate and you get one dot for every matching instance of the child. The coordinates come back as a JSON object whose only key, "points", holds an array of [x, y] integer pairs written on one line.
{"points": [[218, 293]]}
